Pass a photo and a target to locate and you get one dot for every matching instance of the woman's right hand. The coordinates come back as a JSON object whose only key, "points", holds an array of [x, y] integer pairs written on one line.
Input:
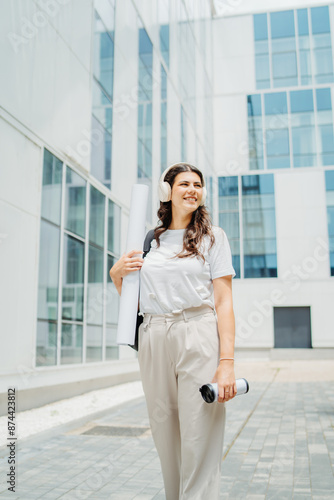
{"points": [[128, 263]]}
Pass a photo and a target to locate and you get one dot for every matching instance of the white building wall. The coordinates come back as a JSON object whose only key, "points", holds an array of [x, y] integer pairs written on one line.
{"points": [[48, 84], [234, 78], [46, 102], [300, 195]]}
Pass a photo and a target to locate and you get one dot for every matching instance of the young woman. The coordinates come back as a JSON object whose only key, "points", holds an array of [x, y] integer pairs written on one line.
{"points": [[187, 336]]}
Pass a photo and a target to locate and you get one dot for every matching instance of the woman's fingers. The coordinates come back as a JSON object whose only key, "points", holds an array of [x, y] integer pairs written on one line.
{"points": [[227, 393], [129, 262], [134, 261]]}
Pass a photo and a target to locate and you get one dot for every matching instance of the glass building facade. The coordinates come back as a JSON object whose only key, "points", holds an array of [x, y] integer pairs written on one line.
{"points": [[80, 223], [79, 242], [102, 87], [247, 97], [247, 215], [290, 129], [293, 48]]}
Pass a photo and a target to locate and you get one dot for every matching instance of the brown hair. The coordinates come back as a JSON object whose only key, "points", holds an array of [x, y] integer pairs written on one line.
{"points": [[199, 226]]}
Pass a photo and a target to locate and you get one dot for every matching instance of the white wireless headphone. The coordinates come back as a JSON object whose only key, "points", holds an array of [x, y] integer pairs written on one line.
{"points": [[165, 191]]}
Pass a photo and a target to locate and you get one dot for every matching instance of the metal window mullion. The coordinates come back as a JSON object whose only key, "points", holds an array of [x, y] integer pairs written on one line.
{"points": [[289, 127], [84, 329], [105, 265], [299, 77], [316, 128], [61, 259], [73, 235], [310, 34], [241, 232], [270, 53], [264, 135]]}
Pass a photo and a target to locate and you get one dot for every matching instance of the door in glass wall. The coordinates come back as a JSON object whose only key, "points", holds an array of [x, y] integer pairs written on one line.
{"points": [[292, 327]]}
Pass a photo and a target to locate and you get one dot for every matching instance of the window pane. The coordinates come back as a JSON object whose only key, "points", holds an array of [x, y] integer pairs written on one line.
{"points": [[229, 216], [46, 344], [164, 42], [320, 20], [278, 150], [94, 343], [71, 344], [111, 345], [73, 279], [96, 221], [304, 146], [95, 297], [275, 103], [285, 66], [302, 22], [51, 191], [101, 136], [302, 128], [329, 176], [282, 24], [260, 27], [112, 296], [301, 100], [48, 280], [323, 97], [144, 124], [259, 226], [327, 144], [103, 56], [114, 229], [75, 216]]}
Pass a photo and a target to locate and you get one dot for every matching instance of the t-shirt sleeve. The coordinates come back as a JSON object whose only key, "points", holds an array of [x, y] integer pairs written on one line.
{"points": [[220, 257]]}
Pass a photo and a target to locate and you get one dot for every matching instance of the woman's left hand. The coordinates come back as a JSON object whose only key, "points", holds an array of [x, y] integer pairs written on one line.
{"points": [[225, 378]]}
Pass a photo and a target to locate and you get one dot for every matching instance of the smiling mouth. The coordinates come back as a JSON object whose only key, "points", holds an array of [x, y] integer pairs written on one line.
{"points": [[190, 199]]}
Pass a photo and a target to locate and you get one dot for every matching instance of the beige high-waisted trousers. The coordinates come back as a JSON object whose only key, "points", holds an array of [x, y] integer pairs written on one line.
{"points": [[177, 354]]}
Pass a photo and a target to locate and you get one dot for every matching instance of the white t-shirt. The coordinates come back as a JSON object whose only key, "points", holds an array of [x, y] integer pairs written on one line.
{"points": [[170, 284]]}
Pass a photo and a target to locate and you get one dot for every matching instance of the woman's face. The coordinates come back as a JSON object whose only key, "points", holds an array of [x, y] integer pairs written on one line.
{"points": [[187, 192]]}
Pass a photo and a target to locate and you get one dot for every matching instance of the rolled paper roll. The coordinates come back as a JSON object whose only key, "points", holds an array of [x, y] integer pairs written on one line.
{"points": [[128, 306]]}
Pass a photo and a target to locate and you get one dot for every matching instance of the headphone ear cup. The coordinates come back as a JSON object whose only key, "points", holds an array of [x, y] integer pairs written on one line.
{"points": [[204, 193], [165, 191]]}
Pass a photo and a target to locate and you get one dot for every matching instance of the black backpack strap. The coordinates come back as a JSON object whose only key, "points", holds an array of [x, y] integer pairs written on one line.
{"points": [[147, 242]]}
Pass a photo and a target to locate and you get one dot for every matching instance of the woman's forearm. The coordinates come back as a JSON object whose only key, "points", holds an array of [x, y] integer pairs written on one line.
{"points": [[226, 329]]}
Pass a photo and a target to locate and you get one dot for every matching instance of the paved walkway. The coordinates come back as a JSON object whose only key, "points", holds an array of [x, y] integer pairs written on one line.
{"points": [[279, 442]]}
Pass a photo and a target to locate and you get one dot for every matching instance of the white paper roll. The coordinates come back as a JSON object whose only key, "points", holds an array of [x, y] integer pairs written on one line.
{"points": [[130, 286]]}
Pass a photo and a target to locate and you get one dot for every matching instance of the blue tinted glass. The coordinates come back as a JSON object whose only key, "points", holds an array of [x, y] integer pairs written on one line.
{"points": [[145, 44], [260, 266], [327, 141], [164, 42], [285, 67], [320, 20], [329, 176], [323, 99], [282, 24], [163, 83], [228, 186], [277, 141], [254, 105], [301, 100], [257, 184], [260, 27], [302, 22], [275, 103]]}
